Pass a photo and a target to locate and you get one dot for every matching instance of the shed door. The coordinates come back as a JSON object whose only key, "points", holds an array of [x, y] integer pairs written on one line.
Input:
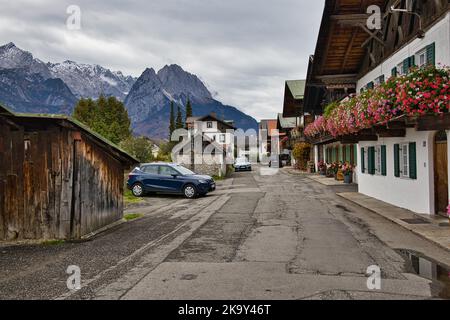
{"points": [[75, 212], [441, 173]]}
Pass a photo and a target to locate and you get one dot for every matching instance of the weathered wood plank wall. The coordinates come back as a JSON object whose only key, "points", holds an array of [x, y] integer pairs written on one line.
{"points": [[39, 196]]}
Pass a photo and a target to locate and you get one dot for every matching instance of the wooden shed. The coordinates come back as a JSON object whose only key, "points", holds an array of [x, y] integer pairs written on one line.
{"points": [[58, 179]]}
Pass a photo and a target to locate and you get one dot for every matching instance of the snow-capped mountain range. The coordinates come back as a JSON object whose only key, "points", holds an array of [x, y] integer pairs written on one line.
{"points": [[28, 84], [87, 80]]}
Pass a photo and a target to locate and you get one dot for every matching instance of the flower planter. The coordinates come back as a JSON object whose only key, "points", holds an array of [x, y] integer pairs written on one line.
{"points": [[348, 178], [423, 91]]}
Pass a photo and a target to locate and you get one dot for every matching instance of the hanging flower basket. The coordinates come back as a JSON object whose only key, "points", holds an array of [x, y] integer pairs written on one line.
{"points": [[424, 91]]}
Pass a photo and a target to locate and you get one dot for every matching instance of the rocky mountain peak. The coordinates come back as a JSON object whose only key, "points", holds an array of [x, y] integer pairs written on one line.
{"points": [[12, 57], [8, 46], [183, 85], [29, 85]]}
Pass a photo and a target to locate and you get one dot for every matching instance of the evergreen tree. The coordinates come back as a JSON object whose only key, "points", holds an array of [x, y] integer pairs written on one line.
{"points": [[179, 122], [172, 120], [188, 110], [139, 147], [106, 116]]}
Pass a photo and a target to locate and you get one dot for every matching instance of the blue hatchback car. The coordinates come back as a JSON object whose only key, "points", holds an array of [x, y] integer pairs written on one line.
{"points": [[170, 179]]}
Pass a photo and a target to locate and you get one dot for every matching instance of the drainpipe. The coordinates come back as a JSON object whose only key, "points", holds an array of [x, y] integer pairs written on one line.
{"points": [[448, 164]]}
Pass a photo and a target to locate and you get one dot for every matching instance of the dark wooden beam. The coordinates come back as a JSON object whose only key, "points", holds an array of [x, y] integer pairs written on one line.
{"points": [[350, 19], [349, 49], [365, 135], [397, 124], [437, 122], [322, 139], [391, 133]]}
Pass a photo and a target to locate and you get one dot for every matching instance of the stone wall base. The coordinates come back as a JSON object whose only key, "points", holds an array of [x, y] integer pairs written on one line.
{"points": [[208, 169]]}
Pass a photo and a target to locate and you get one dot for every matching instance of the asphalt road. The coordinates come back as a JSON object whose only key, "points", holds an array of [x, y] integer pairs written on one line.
{"points": [[259, 236]]}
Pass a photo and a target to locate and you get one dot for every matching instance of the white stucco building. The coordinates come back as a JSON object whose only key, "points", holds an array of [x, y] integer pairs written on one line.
{"points": [[406, 161], [409, 171]]}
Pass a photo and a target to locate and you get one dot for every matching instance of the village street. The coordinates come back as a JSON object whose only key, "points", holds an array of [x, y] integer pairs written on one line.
{"points": [[258, 236]]}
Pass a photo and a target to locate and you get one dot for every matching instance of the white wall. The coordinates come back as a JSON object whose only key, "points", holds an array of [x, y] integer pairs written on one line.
{"points": [[415, 195], [229, 138], [316, 157], [439, 34]]}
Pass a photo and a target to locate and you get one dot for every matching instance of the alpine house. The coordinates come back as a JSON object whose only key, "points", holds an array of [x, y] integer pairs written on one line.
{"points": [[386, 93]]}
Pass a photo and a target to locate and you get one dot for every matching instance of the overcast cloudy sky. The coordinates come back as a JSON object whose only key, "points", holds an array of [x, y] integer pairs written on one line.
{"points": [[242, 49]]}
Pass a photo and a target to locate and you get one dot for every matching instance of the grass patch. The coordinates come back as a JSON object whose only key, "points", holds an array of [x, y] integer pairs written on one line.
{"points": [[132, 216], [129, 198], [53, 242]]}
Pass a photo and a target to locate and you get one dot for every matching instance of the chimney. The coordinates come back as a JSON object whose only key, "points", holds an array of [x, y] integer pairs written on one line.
{"points": [[213, 114]]}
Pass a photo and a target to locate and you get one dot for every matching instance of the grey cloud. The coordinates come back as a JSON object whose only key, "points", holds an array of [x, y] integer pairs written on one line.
{"points": [[242, 49]]}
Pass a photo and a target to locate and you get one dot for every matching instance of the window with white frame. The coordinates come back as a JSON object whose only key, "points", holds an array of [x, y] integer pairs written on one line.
{"points": [[366, 160], [222, 138], [378, 160], [404, 160], [400, 70], [379, 80], [421, 58], [209, 125]]}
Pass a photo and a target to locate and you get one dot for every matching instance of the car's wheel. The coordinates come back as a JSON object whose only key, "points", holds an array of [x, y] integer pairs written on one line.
{"points": [[138, 190], [190, 191]]}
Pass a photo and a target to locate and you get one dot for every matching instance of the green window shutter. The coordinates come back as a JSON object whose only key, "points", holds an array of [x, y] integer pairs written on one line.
{"points": [[355, 154], [370, 85], [341, 153], [383, 161], [397, 160], [371, 164], [412, 61], [394, 72], [412, 161], [431, 54], [406, 66], [363, 163], [348, 157]]}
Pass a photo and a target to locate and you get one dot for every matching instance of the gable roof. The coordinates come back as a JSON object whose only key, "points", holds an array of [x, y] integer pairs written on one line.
{"points": [[76, 124], [268, 125], [190, 120], [204, 138], [297, 88], [209, 117], [5, 111]]}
